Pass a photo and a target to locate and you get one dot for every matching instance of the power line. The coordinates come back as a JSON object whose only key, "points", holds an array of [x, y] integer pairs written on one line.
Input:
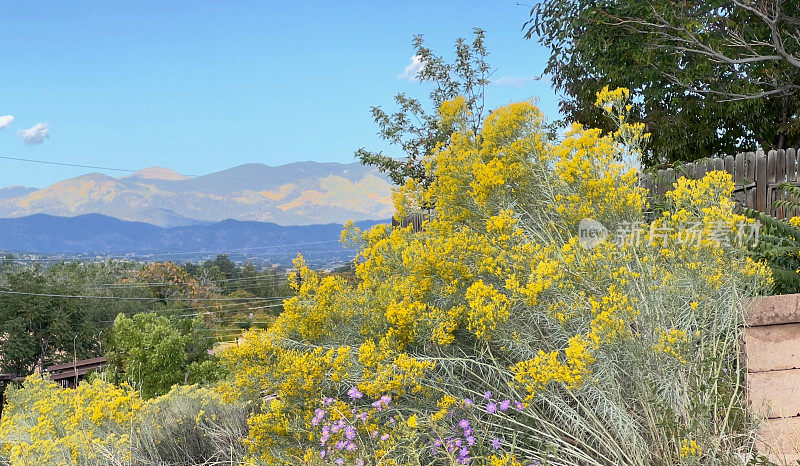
{"points": [[128, 170], [268, 281], [125, 298], [257, 278], [175, 253], [210, 309], [171, 253], [232, 310]]}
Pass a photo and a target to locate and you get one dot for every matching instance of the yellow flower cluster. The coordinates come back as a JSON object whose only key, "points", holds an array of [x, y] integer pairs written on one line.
{"points": [[506, 460], [487, 309], [386, 370], [534, 374], [593, 182], [673, 342], [690, 448]]}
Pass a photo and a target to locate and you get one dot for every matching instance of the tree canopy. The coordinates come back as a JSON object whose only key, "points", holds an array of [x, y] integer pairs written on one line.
{"points": [[157, 353], [713, 78], [39, 326]]}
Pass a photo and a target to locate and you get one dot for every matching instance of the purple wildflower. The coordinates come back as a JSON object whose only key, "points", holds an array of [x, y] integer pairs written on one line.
{"points": [[354, 393], [504, 405], [491, 408], [488, 395], [322, 453], [464, 424], [327, 400], [385, 437], [350, 433], [468, 402], [519, 405], [496, 443], [340, 444], [318, 415], [350, 446], [470, 440], [339, 461]]}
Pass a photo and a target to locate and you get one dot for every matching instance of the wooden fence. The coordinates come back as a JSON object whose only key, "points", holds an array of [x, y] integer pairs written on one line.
{"points": [[756, 175]]}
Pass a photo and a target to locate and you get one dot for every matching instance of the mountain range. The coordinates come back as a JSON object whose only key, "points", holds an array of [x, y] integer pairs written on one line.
{"points": [[301, 193], [107, 236]]}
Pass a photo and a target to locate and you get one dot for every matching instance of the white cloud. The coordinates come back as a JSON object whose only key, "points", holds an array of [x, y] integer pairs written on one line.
{"points": [[515, 81], [6, 120], [413, 69], [36, 134]]}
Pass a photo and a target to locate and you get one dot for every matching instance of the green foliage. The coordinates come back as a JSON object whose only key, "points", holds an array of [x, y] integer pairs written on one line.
{"points": [[157, 353], [672, 55], [36, 331], [191, 425], [779, 242], [418, 132]]}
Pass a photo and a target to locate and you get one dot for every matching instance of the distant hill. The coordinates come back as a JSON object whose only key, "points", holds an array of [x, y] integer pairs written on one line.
{"points": [[100, 234], [302, 193], [15, 191]]}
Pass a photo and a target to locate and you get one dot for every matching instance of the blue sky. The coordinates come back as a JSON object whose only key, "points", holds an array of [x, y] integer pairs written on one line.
{"points": [[203, 86]]}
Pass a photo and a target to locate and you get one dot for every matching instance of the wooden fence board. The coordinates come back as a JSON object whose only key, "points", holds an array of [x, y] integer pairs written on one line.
{"points": [[750, 167], [780, 177], [756, 175], [739, 174]]}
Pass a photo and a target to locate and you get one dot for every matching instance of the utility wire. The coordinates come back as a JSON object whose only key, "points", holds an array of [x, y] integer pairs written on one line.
{"points": [[128, 170], [243, 280], [210, 252], [126, 298]]}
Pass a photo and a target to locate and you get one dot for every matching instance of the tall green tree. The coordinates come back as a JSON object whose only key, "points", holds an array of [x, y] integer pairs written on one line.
{"points": [[414, 127], [712, 77], [39, 326], [156, 352]]}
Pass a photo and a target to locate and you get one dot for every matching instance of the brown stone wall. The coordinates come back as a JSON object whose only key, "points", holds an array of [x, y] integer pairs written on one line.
{"points": [[771, 349]]}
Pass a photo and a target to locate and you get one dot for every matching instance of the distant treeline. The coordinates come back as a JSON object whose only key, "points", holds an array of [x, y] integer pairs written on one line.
{"points": [[55, 313]]}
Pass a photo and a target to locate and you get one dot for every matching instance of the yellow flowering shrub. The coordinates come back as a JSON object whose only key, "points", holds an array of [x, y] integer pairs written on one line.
{"points": [[496, 312], [100, 423], [44, 423]]}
